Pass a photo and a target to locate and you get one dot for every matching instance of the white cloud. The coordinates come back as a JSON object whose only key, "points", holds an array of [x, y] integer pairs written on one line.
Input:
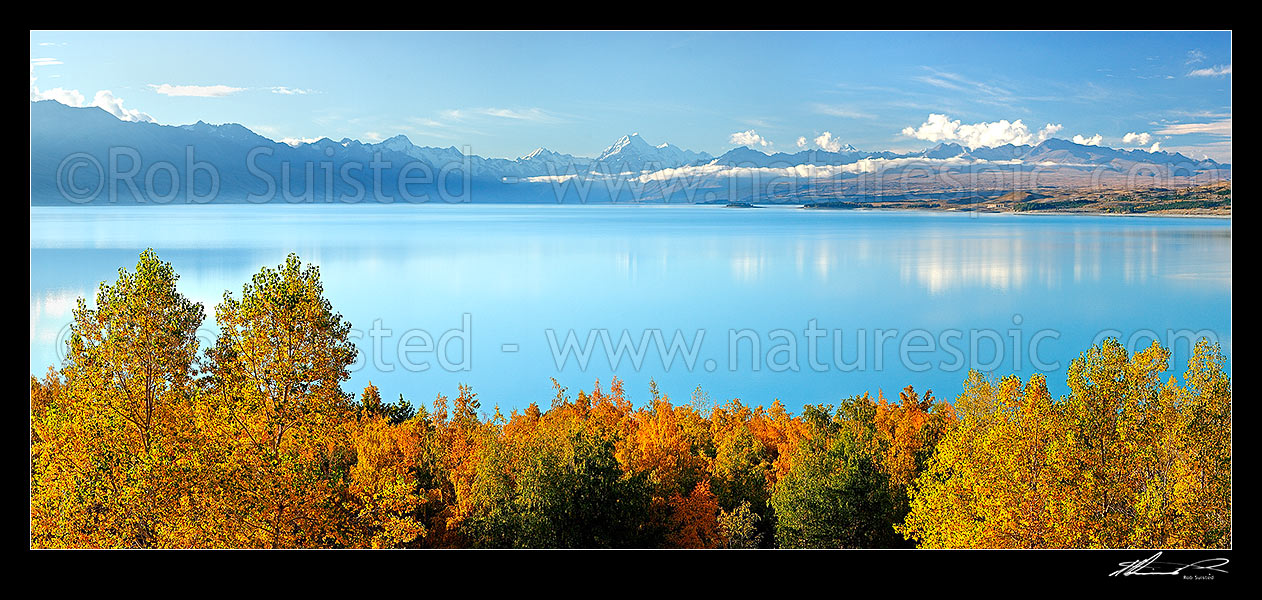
{"points": [[977, 91], [748, 138], [1048, 130], [195, 91], [1140, 139], [114, 105], [62, 95], [1214, 71], [1088, 141], [1195, 56], [826, 141], [841, 111], [1218, 150], [1214, 141], [802, 142], [44, 62], [103, 99], [280, 89], [940, 128], [1201, 114], [1220, 127], [537, 115]]}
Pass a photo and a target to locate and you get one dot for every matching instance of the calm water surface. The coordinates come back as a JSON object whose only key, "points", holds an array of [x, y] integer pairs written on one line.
{"points": [[508, 284]]}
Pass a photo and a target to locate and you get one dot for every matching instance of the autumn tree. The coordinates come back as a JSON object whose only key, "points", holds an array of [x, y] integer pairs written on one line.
{"points": [[1124, 460], [387, 484], [113, 456], [277, 411], [1198, 504], [1155, 456], [665, 446], [1000, 475]]}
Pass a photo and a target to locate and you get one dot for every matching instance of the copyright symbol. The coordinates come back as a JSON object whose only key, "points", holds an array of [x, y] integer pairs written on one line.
{"points": [[63, 342], [72, 191]]}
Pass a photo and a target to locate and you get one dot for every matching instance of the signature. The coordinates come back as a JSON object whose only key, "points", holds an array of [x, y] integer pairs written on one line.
{"points": [[1151, 566]]}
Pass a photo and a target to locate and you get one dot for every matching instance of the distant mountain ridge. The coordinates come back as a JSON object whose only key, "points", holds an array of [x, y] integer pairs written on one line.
{"points": [[248, 164], [1051, 150]]}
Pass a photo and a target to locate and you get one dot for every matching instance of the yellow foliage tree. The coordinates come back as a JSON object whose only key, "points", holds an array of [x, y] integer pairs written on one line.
{"points": [[276, 413], [113, 460], [1124, 460]]}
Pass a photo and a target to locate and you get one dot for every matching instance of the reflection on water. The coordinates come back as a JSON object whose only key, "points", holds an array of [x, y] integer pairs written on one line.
{"points": [[521, 270], [51, 307], [1012, 259], [940, 265]]}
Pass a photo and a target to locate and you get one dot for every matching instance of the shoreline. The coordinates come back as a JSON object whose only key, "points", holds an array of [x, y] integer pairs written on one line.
{"points": [[886, 209], [1032, 213]]}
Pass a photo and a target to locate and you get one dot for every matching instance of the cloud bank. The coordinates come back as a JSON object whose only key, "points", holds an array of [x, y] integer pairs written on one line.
{"points": [[940, 128]]}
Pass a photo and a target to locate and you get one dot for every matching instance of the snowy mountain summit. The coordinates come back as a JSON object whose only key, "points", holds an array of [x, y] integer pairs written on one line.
{"points": [[633, 153]]}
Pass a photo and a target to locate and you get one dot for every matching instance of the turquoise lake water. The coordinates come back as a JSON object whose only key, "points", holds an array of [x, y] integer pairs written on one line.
{"points": [[755, 301]]}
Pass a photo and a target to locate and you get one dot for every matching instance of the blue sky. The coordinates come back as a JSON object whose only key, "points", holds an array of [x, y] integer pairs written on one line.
{"points": [[503, 94]]}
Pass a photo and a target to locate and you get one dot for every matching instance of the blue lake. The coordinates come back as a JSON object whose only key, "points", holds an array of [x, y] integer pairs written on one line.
{"points": [[755, 301]]}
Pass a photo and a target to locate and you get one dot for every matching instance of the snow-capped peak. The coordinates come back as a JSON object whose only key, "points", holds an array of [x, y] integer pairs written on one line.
{"points": [[540, 153], [627, 145], [631, 151]]}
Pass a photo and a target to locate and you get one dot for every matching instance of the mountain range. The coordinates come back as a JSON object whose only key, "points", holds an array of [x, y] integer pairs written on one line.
{"points": [[86, 155]]}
